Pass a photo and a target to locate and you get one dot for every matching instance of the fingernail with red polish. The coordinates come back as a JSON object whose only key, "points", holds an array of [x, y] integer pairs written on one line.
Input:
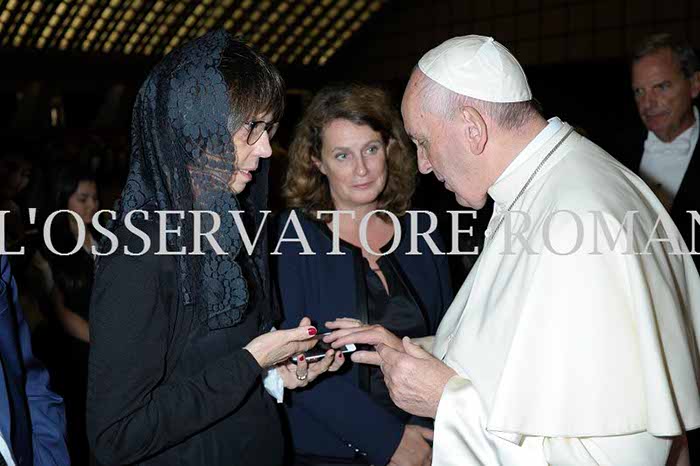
{"points": [[300, 358], [340, 355], [312, 331]]}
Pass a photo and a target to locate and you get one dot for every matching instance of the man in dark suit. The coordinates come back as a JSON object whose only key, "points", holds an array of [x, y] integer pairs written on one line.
{"points": [[32, 420], [665, 80]]}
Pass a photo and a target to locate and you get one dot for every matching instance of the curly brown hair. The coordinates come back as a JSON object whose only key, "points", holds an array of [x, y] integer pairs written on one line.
{"points": [[306, 188]]}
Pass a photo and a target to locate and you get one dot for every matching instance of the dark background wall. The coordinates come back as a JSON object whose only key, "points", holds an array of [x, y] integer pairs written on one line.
{"points": [[538, 32], [574, 51]]}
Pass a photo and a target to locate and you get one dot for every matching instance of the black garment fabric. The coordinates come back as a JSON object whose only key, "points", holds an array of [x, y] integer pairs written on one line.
{"points": [[397, 311], [66, 357], [301, 459], [73, 274], [165, 389]]}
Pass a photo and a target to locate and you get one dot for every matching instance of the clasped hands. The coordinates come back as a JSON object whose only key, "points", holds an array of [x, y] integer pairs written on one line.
{"points": [[414, 377], [274, 350]]}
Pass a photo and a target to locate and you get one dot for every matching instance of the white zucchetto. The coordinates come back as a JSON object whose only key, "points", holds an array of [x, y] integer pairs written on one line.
{"points": [[478, 67]]}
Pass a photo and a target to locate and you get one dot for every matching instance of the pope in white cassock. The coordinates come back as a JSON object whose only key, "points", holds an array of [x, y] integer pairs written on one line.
{"points": [[573, 341]]}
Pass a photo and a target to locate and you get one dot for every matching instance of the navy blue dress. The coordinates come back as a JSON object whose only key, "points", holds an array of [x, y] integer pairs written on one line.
{"points": [[339, 416]]}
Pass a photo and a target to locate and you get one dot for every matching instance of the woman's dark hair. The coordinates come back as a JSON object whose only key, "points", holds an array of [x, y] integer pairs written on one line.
{"points": [[73, 273], [682, 51], [66, 184], [255, 84], [307, 188]]}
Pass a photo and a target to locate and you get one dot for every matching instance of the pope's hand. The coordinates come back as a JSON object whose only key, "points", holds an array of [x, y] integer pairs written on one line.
{"points": [[414, 377], [350, 333]]}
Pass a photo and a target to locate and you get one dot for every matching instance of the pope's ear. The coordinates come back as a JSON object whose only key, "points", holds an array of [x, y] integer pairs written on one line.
{"points": [[318, 165], [475, 129]]}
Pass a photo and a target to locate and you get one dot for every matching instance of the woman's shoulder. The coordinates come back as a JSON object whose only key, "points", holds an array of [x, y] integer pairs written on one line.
{"points": [[137, 241], [419, 223], [292, 219], [127, 230], [302, 216]]}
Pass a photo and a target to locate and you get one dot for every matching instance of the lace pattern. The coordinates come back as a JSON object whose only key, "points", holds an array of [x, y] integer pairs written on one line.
{"points": [[182, 156]]}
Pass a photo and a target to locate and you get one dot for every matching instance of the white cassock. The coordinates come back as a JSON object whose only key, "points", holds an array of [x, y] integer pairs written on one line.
{"points": [[571, 358]]}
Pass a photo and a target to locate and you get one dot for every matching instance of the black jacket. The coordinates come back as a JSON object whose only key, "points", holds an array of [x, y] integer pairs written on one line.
{"points": [[164, 389]]}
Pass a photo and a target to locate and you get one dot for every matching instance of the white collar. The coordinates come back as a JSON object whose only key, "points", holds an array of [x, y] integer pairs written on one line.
{"points": [[681, 145], [503, 191]]}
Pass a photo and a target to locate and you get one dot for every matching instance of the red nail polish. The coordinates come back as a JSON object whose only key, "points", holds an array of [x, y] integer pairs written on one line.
{"points": [[340, 356], [300, 358], [312, 331]]}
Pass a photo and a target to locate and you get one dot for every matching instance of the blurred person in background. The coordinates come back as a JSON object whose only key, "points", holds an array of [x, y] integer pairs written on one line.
{"points": [[18, 175], [66, 351]]}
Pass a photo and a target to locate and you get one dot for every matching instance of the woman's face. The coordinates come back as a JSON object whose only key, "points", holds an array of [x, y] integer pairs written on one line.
{"points": [[84, 201], [353, 158], [248, 156]]}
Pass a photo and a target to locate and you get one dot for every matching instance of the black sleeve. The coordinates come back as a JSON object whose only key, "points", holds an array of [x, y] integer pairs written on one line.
{"points": [[131, 412]]}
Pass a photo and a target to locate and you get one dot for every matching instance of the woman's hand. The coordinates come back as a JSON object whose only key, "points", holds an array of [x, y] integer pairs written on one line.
{"points": [[276, 347], [302, 373], [343, 323]]}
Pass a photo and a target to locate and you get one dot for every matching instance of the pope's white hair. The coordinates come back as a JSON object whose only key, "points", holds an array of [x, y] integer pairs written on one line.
{"points": [[439, 100]]}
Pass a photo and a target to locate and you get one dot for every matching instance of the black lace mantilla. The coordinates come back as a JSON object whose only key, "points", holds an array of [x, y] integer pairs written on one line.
{"points": [[182, 156]]}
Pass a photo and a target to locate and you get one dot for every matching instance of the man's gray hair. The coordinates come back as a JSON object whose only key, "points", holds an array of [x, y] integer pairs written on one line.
{"points": [[442, 101], [681, 50]]}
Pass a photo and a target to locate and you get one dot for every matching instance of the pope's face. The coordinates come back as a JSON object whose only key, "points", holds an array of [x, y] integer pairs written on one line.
{"points": [[664, 94], [442, 150]]}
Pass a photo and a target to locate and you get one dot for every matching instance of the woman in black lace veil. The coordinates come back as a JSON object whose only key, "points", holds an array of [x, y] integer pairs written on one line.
{"points": [[180, 344]]}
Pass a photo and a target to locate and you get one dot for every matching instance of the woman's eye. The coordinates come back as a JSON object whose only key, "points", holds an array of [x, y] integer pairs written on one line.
{"points": [[372, 149], [341, 156]]}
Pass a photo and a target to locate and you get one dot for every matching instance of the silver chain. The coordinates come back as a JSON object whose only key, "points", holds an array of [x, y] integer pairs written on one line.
{"points": [[529, 180]]}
